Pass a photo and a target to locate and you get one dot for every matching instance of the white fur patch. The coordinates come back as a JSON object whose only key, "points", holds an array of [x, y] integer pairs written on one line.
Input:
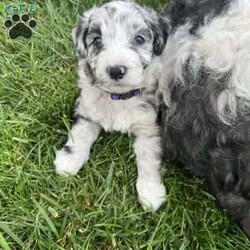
{"points": [[222, 45]]}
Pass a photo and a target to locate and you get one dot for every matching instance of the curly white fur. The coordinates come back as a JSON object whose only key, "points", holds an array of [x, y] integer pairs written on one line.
{"points": [[222, 45]]}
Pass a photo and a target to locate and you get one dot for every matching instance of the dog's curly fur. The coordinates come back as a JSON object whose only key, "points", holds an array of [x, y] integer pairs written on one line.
{"points": [[206, 90], [117, 45]]}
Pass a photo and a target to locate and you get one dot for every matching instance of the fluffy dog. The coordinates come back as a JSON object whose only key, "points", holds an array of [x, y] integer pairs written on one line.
{"points": [[206, 91], [117, 46]]}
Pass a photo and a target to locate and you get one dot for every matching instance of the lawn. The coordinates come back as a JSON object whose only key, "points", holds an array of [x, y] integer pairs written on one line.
{"points": [[97, 209]]}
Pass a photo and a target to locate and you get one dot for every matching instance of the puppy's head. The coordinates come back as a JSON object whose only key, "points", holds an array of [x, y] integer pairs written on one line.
{"points": [[118, 41]]}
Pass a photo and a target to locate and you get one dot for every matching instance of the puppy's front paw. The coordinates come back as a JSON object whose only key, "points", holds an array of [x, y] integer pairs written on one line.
{"points": [[68, 163], [151, 194]]}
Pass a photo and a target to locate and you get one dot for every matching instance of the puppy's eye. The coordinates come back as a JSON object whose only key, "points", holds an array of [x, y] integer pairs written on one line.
{"points": [[139, 40], [97, 42]]}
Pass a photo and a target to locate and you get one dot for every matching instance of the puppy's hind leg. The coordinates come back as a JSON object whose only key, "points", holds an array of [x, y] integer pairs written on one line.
{"points": [[151, 190], [75, 153]]}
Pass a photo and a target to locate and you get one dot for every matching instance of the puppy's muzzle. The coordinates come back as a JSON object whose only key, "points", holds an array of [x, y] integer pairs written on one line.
{"points": [[116, 72]]}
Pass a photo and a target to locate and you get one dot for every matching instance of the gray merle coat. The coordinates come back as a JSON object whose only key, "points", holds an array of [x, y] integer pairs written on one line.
{"points": [[206, 92]]}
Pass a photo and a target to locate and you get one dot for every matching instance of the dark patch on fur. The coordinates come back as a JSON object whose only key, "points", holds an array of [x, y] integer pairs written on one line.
{"points": [[95, 30], [85, 33], [78, 117], [81, 37], [67, 149], [180, 12], [160, 32]]}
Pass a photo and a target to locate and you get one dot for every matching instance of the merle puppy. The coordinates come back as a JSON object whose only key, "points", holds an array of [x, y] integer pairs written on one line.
{"points": [[117, 45], [206, 91]]}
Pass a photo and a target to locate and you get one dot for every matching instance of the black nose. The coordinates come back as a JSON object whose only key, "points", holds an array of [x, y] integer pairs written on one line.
{"points": [[116, 72]]}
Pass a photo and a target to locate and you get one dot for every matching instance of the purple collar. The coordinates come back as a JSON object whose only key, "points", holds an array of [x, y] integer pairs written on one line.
{"points": [[127, 95]]}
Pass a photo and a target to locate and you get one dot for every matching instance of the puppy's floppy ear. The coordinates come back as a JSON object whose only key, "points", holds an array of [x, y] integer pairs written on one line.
{"points": [[160, 32], [80, 32], [159, 28]]}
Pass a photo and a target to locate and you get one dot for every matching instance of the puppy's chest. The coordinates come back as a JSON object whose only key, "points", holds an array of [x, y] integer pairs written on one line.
{"points": [[116, 115]]}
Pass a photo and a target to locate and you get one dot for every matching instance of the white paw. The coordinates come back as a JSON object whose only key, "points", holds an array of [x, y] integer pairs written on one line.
{"points": [[151, 194], [68, 163]]}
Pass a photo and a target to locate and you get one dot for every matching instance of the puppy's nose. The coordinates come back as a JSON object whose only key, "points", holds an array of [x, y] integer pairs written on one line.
{"points": [[116, 72]]}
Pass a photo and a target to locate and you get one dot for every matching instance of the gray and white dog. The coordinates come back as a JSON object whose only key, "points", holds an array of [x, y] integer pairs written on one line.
{"points": [[118, 45], [206, 89], [204, 80]]}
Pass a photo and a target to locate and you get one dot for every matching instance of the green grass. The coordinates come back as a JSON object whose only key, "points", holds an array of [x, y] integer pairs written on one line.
{"points": [[98, 208]]}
